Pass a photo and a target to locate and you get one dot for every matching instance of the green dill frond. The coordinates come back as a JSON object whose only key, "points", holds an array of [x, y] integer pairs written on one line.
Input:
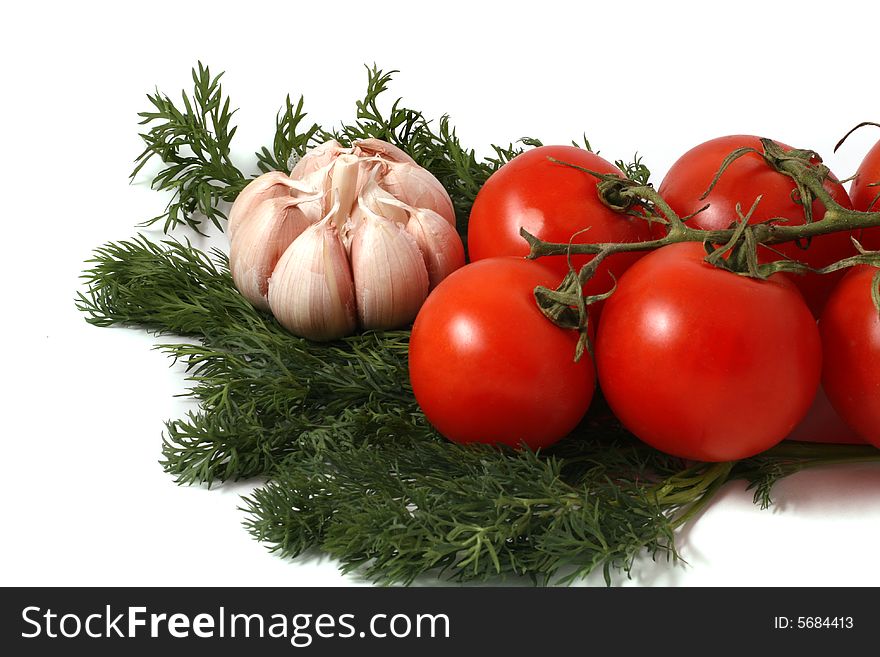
{"points": [[193, 141]]}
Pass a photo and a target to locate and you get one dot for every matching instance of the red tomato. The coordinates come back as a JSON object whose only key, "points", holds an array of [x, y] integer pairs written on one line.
{"points": [[487, 366], [864, 194], [850, 328], [553, 202], [742, 182], [705, 364]]}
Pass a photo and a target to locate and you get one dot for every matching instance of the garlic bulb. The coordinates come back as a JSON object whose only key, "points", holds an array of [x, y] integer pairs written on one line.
{"points": [[354, 238]]}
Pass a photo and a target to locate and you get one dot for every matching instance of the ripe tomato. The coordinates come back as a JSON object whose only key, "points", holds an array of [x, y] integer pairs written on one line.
{"points": [[487, 366], [864, 193], [850, 328], [742, 182], [553, 202], [705, 364]]}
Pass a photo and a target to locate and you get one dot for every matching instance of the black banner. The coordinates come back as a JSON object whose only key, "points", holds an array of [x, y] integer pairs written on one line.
{"points": [[432, 621]]}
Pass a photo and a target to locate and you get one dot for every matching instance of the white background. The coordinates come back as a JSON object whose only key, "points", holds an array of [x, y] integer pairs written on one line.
{"points": [[84, 498]]}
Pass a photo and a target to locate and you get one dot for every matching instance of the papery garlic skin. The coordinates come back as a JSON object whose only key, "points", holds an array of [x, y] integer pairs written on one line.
{"points": [[270, 185], [317, 158], [311, 291], [260, 240], [390, 278], [373, 147], [368, 261], [345, 182]]}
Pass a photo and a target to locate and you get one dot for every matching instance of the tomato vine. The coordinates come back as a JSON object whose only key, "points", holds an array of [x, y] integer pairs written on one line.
{"points": [[741, 240]]}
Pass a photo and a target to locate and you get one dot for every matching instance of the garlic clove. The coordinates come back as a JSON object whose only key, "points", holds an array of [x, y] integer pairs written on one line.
{"points": [[378, 201], [373, 147], [417, 187], [390, 278], [259, 242], [274, 184], [439, 243], [317, 157], [311, 291]]}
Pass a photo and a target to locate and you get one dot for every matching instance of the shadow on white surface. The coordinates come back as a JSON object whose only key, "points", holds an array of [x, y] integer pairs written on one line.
{"points": [[829, 491]]}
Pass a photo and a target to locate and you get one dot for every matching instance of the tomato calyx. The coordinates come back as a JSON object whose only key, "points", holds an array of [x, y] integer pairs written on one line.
{"points": [[624, 195], [803, 166], [740, 254], [568, 307], [611, 187]]}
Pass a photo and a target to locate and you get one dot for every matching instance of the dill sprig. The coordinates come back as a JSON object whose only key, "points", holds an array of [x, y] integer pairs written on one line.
{"points": [[194, 144], [290, 139]]}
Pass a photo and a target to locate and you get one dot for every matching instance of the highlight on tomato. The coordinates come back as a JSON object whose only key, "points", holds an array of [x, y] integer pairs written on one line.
{"points": [[705, 364], [487, 366], [556, 203], [747, 178], [850, 329]]}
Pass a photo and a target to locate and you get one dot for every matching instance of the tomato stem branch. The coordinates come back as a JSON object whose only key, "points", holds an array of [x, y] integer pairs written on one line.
{"points": [[739, 243], [802, 166]]}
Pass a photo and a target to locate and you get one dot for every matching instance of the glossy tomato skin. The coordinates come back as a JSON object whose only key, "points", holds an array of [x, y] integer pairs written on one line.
{"points": [[487, 366], [553, 202], [864, 194], [705, 364], [850, 328], [743, 181]]}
